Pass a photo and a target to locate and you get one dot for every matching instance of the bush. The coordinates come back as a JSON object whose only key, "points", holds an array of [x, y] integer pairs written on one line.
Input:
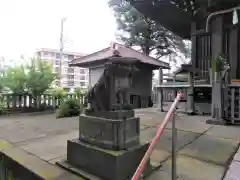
{"points": [[69, 108], [2, 109], [59, 93]]}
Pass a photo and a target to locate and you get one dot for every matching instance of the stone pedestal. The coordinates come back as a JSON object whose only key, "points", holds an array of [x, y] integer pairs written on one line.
{"points": [[106, 164], [108, 146], [110, 133]]}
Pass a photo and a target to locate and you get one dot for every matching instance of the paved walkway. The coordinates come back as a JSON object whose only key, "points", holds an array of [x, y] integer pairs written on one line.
{"points": [[204, 150]]}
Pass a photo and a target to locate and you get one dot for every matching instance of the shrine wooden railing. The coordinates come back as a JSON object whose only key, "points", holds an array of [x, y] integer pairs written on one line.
{"points": [[232, 104], [201, 97], [169, 91], [26, 103]]}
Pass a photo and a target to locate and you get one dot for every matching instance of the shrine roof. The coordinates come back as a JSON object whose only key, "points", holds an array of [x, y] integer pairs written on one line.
{"points": [[185, 68], [177, 16], [123, 53]]}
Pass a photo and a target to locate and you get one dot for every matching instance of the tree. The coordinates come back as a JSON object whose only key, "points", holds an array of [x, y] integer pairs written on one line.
{"points": [[14, 78], [39, 77], [79, 92], [2, 85], [136, 29]]}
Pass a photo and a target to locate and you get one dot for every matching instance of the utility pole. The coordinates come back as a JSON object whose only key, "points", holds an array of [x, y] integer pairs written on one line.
{"points": [[61, 49]]}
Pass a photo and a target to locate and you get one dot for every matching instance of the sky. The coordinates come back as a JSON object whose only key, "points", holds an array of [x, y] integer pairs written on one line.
{"points": [[27, 25]]}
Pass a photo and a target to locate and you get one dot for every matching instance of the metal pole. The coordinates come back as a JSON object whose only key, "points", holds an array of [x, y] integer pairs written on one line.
{"points": [[61, 50], [147, 155], [219, 13], [174, 141]]}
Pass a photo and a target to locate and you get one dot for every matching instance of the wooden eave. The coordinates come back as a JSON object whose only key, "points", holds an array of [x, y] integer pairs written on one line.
{"points": [[177, 20], [124, 52], [185, 68], [166, 14]]}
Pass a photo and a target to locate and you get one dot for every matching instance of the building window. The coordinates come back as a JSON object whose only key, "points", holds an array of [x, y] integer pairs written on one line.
{"points": [[82, 71], [65, 56], [82, 78], [70, 57], [70, 83], [82, 84], [51, 54], [70, 70], [70, 77], [58, 55], [57, 69], [57, 62], [45, 53]]}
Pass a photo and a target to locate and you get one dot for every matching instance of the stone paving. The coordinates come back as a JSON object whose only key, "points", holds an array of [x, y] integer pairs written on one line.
{"points": [[204, 150], [233, 172]]}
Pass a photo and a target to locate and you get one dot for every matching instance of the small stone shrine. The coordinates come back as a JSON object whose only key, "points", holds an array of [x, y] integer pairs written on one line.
{"points": [[108, 146]]}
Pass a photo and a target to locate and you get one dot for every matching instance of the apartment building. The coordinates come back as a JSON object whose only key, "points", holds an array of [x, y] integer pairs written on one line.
{"points": [[71, 77]]}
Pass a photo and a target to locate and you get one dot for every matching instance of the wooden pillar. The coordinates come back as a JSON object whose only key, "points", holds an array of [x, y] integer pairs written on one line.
{"points": [[217, 48], [190, 90], [190, 95], [233, 53], [160, 90]]}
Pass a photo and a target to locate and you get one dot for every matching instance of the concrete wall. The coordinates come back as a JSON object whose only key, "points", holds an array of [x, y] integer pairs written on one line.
{"points": [[10, 169], [94, 74], [18, 164]]}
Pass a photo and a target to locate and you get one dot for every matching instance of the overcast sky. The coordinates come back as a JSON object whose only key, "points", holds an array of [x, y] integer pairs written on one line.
{"points": [[30, 24]]}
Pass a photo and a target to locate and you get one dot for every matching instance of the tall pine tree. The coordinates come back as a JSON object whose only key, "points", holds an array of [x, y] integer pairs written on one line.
{"points": [[136, 29]]}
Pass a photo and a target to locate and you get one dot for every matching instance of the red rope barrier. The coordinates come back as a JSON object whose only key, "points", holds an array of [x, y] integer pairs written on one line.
{"points": [[148, 153]]}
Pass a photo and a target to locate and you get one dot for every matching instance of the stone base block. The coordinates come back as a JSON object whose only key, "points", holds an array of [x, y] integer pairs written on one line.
{"points": [[106, 164], [118, 114], [117, 134]]}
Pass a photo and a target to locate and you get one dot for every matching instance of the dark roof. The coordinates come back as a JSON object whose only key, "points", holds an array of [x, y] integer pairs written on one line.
{"points": [[178, 19], [187, 68], [167, 14], [122, 51]]}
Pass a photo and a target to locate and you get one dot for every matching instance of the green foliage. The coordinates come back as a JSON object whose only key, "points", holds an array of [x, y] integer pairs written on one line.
{"points": [[33, 78], [2, 108], [69, 108], [218, 63], [14, 78], [59, 93], [1, 82], [136, 29], [79, 92], [39, 77]]}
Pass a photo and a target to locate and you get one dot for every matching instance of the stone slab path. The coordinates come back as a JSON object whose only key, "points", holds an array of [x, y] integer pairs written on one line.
{"points": [[233, 173], [205, 151]]}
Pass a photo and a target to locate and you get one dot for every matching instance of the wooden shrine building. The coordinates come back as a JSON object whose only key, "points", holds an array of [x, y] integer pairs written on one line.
{"points": [[141, 85], [214, 30]]}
